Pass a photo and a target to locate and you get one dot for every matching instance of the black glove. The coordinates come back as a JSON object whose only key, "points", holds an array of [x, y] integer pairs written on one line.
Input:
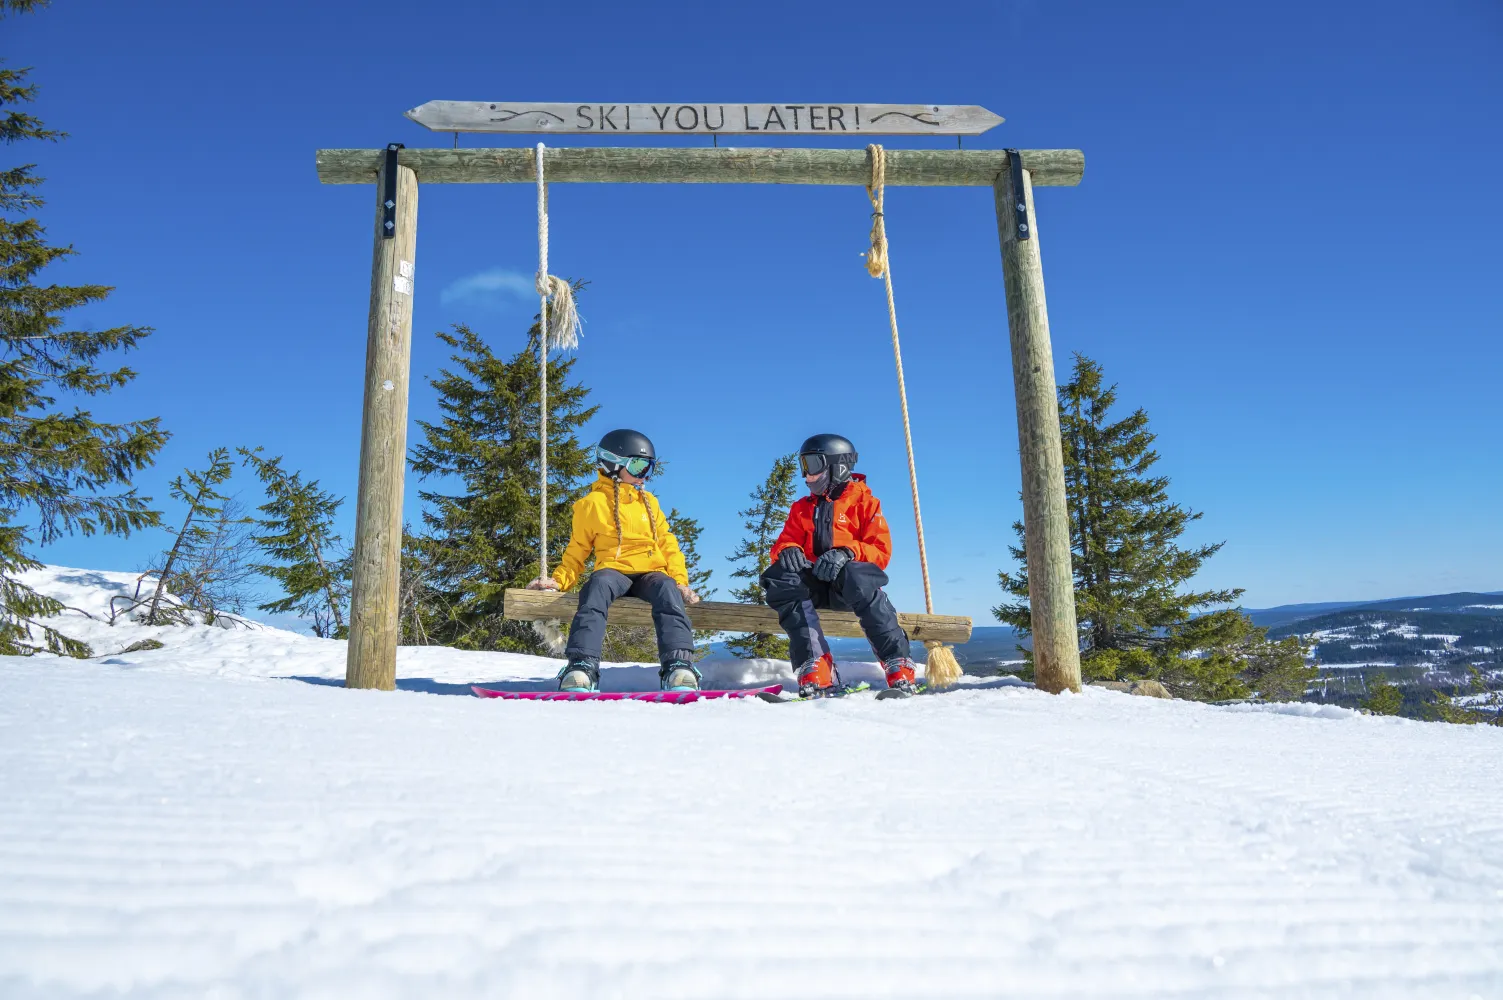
{"points": [[829, 565], [793, 559]]}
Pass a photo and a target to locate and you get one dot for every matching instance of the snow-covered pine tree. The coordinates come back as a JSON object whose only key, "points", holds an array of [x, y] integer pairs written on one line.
{"points": [[298, 533], [483, 539], [199, 489], [53, 463], [763, 520], [1136, 620]]}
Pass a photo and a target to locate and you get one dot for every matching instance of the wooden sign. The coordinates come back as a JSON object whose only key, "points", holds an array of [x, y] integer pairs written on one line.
{"points": [[721, 119]]}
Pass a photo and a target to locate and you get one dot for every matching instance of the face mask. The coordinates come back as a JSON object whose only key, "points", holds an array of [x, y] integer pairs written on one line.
{"points": [[820, 486]]}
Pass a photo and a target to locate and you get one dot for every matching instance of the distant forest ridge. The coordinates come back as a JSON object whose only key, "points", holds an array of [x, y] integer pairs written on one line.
{"points": [[1468, 602]]}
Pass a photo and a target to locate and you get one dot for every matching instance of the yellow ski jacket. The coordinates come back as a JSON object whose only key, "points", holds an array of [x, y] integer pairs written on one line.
{"points": [[626, 529]]}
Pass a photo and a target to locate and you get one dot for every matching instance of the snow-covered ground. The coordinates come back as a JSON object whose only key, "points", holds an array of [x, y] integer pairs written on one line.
{"points": [[219, 818]]}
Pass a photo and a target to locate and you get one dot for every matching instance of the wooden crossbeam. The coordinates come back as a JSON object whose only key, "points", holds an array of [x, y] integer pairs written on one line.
{"points": [[723, 616], [723, 165]]}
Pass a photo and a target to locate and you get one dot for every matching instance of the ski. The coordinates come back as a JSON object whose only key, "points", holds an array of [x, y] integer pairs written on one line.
{"points": [[843, 692], [900, 693], [669, 697]]}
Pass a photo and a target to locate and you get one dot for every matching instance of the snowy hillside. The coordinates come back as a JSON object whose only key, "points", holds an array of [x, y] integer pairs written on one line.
{"points": [[1427, 646], [218, 817]]}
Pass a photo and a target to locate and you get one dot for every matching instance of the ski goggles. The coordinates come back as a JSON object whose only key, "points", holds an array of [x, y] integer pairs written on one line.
{"points": [[814, 463], [636, 465]]}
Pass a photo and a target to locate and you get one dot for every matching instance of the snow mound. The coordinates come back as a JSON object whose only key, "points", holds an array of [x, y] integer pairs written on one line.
{"points": [[220, 818], [87, 590]]}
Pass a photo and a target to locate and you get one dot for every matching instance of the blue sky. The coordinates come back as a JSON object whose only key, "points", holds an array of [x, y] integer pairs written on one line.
{"points": [[1285, 248]]}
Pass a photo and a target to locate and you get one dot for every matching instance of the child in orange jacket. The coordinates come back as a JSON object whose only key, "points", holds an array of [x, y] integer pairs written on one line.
{"points": [[832, 553]]}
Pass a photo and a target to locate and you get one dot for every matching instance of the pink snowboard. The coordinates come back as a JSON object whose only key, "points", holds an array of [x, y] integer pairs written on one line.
{"points": [[673, 697]]}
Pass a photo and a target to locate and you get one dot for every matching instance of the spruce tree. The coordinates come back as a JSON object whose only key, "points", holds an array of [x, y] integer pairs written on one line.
{"points": [[199, 489], [1479, 704], [764, 520], [213, 574], [298, 533], [56, 466], [422, 608], [483, 538], [687, 530], [1136, 619], [1277, 670], [1383, 698]]}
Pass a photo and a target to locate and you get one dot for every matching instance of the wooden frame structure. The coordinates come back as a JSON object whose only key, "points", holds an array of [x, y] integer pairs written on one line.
{"points": [[383, 443]]}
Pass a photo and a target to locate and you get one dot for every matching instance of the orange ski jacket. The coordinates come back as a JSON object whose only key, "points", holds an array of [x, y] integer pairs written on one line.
{"points": [[853, 521]]}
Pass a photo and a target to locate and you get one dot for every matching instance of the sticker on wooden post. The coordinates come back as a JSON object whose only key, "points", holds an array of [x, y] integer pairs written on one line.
{"points": [[401, 282]]}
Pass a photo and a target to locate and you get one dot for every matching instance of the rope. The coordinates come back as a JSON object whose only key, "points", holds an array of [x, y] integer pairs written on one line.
{"points": [[561, 332], [878, 266], [542, 287]]}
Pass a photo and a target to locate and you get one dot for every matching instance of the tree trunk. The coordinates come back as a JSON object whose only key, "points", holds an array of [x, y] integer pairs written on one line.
{"points": [[156, 595]]}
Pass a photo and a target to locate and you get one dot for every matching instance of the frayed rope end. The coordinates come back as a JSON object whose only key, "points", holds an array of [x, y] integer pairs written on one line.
{"points": [[564, 324], [943, 669]]}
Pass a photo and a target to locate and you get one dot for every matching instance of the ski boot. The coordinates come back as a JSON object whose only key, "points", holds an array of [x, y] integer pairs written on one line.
{"points": [[818, 679], [678, 672], [900, 678], [581, 675]]}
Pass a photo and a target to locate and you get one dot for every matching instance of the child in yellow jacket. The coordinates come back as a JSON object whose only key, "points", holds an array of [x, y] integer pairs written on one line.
{"points": [[635, 554]]}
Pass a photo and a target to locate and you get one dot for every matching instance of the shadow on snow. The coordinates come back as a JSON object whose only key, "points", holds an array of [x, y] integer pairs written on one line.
{"points": [[645, 678]]}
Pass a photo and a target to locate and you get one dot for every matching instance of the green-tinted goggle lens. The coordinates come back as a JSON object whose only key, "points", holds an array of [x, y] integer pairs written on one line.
{"points": [[637, 465]]}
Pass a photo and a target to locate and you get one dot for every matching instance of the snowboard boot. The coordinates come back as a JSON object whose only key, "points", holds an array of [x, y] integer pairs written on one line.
{"points": [[581, 674], [900, 676], [817, 678], [678, 672]]}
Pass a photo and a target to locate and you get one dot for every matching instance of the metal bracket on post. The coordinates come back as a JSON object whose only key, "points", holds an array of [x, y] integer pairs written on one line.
{"points": [[1019, 194], [389, 196]]}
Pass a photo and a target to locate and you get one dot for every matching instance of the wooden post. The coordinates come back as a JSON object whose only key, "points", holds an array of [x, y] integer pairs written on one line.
{"points": [[372, 656], [1046, 522]]}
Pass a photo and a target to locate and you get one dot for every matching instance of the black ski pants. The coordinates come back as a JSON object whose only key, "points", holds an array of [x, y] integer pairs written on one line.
{"points": [[675, 634], [797, 596]]}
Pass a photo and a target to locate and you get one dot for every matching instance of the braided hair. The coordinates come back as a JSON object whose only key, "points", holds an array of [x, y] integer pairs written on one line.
{"points": [[652, 522], [616, 510]]}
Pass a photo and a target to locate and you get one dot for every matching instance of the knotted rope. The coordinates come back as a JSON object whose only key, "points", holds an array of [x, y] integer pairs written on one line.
{"points": [[561, 332], [943, 669], [878, 266]]}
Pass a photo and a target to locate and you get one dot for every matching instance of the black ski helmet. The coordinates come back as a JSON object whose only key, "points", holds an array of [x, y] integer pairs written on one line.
{"points": [[624, 444], [838, 453]]}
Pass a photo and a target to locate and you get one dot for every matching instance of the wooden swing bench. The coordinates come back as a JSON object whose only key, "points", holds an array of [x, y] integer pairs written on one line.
{"points": [[725, 616]]}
